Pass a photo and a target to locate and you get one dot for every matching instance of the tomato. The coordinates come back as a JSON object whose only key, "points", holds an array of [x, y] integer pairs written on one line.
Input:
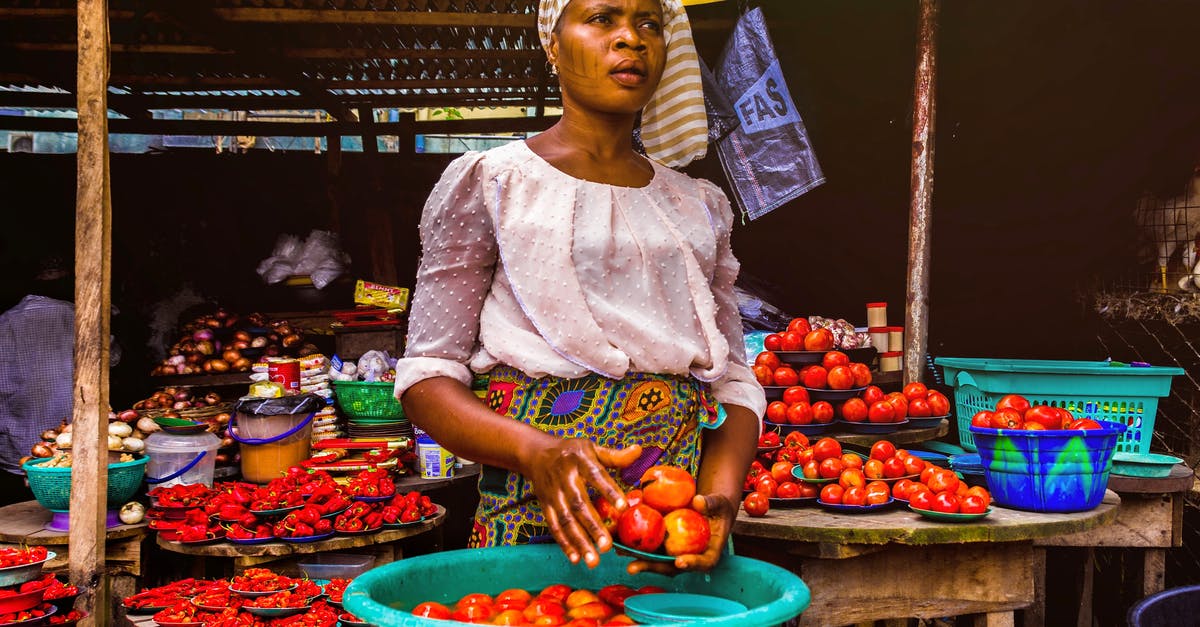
{"points": [[981, 492], [982, 419], [840, 378], [509, 616], [472, 612], [799, 325], [811, 469], [792, 341], [431, 609], [831, 493], [972, 504], [641, 527], [1044, 415], [852, 460], [808, 490], [900, 404], [514, 594], [667, 487], [945, 502], [854, 495], [756, 504], [881, 411], [826, 448], [786, 375], [927, 473], [834, 358], [914, 465], [796, 438], [763, 374], [943, 480], [788, 489], [862, 374], [814, 377], [777, 412], [769, 359], [1013, 401], [893, 467], [781, 471], [822, 412], [766, 484], [873, 469], [878, 493], [615, 594], [1006, 418], [556, 591], [773, 342], [921, 497], [902, 488], [850, 477], [831, 468], [939, 405], [919, 408], [475, 598], [609, 514], [853, 410], [804, 456], [882, 449], [819, 339], [795, 394], [799, 413], [542, 607], [873, 394], [688, 532], [916, 389], [1085, 423]]}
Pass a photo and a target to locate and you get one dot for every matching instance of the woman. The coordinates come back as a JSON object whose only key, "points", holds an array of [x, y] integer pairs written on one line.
{"points": [[595, 287]]}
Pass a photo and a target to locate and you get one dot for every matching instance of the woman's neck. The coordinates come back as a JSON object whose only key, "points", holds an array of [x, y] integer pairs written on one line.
{"points": [[599, 150]]}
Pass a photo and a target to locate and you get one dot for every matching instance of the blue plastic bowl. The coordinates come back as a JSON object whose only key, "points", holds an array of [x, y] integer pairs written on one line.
{"points": [[1048, 471], [385, 595]]}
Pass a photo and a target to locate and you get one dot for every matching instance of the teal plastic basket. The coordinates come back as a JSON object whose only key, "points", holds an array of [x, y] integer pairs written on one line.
{"points": [[385, 595], [52, 486], [1094, 389]]}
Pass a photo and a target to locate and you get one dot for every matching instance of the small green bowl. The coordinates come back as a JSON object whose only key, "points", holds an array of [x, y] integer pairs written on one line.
{"points": [[1149, 465]]}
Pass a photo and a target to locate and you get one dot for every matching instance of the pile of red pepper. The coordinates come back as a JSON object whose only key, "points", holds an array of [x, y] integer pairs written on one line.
{"points": [[195, 526], [218, 598], [371, 483], [181, 495], [302, 523], [70, 617], [55, 589], [166, 595], [19, 556], [260, 580], [360, 517], [30, 614]]}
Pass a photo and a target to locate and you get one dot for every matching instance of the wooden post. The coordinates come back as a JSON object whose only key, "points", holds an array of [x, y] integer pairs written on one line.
{"points": [[916, 321], [93, 296]]}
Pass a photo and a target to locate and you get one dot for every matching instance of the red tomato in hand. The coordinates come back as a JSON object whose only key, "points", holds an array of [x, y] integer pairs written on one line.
{"points": [[862, 374], [834, 358], [667, 487], [777, 412], [1013, 401], [1044, 415], [916, 389], [773, 342], [819, 339], [822, 412], [768, 359], [799, 325], [840, 378], [795, 394], [687, 530], [799, 413], [786, 375], [756, 504], [814, 376], [641, 527], [854, 410]]}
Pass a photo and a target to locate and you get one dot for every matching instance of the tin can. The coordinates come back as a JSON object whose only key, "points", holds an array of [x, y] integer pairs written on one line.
{"points": [[285, 372]]}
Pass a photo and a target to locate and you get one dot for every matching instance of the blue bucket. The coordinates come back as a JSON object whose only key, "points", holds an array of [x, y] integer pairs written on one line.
{"points": [[384, 596], [1061, 470]]}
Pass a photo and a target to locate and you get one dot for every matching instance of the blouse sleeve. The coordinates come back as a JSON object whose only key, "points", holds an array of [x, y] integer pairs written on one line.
{"points": [[738, 386], [458, 256]]}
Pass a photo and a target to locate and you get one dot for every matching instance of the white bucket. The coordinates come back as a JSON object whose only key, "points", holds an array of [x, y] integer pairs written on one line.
{"points": [[181, 459]]}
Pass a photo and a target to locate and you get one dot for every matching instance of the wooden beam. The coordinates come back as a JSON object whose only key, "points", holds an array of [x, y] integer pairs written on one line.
{"points": [[48, 100], [380, 18], [93, 301], [292, 53], [284, 129], [920, 217]]}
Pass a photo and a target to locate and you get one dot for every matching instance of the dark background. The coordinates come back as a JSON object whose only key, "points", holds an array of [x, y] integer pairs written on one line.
{"points": [[1051, 119]]}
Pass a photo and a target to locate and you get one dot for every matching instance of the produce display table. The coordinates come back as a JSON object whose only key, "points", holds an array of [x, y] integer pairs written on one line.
{"points": [[248, 555], [901, 437], [897, 564], [24, 523], [1150, 519]]}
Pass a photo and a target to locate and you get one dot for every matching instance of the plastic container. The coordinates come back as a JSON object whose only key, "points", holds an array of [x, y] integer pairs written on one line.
{"points": [[890, 361], [1174, 606], [335, 565], [367, 399], [181, 459], [1152, 465], [895, 339], [435, 461], [879, 338], [1048, 471], [876, 314], [274, 433], [1093, 389], [17, 575], [385, 596]]}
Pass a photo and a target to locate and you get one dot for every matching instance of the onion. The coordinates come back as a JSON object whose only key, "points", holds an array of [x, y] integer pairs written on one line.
{"points": [[221, 458], [231, 355], [222, 418], [49, 435], [133, 445], [227, 442], [182, 395], [147, 425], [41, 450], [241, 335], [242, 364], [181, 405], [120, 429], [205, 348], [129, 415], [63, 440], [171, 413], [203, 335], [216, 365], [132, 513], [259, 342], [114, 443], [212, 398]]}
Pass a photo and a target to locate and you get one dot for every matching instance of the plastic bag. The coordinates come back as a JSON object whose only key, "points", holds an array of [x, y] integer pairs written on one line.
{"points": [[373, 365], [319, 256]]}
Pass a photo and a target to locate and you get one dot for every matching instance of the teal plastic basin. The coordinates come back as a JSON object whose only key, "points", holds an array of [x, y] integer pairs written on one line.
{"points": [[384, 596]]}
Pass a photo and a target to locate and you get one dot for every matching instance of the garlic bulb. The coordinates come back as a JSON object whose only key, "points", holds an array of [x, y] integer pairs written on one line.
{"points": [[132, 513], [114, 443], [133, 445], [63, 440], [120, 429]]}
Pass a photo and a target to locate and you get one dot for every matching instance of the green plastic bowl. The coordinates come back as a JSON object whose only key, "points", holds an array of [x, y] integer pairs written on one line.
{"points": [[1149, 465], [385, 595]]}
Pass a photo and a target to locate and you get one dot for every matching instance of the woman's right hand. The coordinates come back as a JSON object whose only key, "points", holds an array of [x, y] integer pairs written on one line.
{"points": [[561, 475]]}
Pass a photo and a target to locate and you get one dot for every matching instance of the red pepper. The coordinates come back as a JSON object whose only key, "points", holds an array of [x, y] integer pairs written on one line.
{"points": [[303, 530], [373, 520], [410, 514], [323, 526], [309, 515]]}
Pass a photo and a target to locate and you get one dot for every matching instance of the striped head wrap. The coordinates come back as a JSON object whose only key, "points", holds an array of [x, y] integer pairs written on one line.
{"points": [[674, 124]]}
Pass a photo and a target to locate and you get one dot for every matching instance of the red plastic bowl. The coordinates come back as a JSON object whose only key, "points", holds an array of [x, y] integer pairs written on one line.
{"points": [[23, 601]]}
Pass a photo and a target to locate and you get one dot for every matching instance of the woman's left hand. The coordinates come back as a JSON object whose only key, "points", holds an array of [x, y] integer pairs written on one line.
{"points": [[720, 512]]}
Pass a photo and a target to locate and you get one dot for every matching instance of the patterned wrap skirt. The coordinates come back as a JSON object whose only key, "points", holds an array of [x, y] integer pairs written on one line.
{"points": [[662, 413]]}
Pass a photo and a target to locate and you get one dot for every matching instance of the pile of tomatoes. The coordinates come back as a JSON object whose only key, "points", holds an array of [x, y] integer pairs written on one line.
{"points": [[1014, 411], [658, 514], [556, 604]]}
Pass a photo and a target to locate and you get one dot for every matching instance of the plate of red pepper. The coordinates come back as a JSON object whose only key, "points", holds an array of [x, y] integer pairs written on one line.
{"points": [[28, 616], [302, 539], [68, 619], [238, 533], [350, 620]]}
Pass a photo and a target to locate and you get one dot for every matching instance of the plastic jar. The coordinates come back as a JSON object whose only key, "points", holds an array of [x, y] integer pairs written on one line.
{"points": [[176, 458], [890, 361], [879, 338], [274, 434], [876, 314], [435, 461], [895, 339]]}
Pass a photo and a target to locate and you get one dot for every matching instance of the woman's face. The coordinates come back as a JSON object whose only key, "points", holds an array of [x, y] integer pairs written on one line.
{"points": [[609, 53]]}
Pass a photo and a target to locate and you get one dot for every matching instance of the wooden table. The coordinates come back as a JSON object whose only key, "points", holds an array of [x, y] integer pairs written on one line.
{"points": [[897, 564], [247, 555], [1150, 519], [25, 523]]}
